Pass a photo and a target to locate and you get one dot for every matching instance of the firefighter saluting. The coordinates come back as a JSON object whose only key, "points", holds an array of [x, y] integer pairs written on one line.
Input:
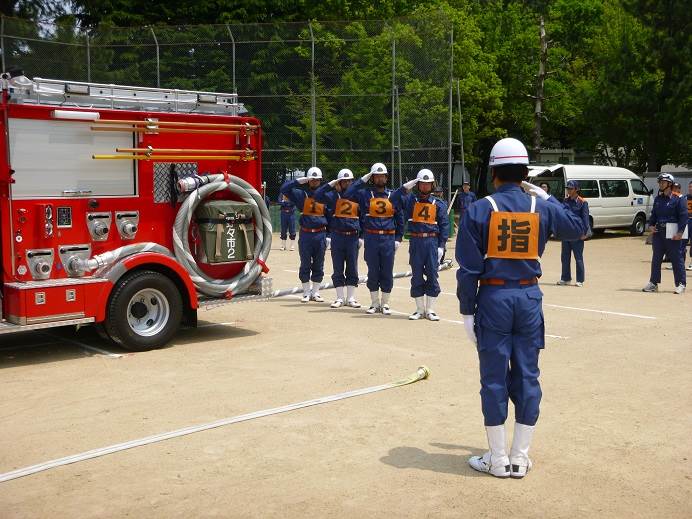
{"points": [[383, 226], [501, 239], [313, 230], [345, 232], [428, 225]]}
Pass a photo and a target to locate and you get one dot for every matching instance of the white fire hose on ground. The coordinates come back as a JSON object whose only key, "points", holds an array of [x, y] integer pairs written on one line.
{"points": [[199, 188]]}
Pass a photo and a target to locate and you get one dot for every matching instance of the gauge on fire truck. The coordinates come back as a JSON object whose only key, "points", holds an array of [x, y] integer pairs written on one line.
{"points": [[64, 217]]}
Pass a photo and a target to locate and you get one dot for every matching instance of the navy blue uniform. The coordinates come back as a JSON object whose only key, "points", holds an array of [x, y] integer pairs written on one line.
{"points": [[382, 224], [688, 201], [668, 209], [464, 201], [288, 220], [508, 312], [429, 230], [313, 227], [580, 208], [344, 229]]}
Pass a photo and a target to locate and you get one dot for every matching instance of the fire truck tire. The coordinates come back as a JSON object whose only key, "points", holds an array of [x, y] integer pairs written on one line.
{"points": [[144, 311]]}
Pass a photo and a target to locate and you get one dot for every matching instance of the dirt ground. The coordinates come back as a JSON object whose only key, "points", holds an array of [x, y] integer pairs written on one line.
{"points": [[613, 438]]}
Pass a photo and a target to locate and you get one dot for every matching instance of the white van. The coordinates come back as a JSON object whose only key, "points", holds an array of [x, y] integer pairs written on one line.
{"points": [[618, 199]]}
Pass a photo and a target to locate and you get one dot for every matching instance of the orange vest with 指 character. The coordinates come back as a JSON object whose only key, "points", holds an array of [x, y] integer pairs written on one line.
{"points": [[312, 208], [513, 235], [346, 209]]}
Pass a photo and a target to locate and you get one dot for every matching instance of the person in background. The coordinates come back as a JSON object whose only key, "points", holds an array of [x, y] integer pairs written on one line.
{"points": [[580, 208], [688, 199], [465, 199], [288, 221], [545, 187]]}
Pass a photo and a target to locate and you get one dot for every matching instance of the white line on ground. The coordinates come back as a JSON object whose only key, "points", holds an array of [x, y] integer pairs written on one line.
{"points": [[86, 346], [606, 312], [291, 271]]}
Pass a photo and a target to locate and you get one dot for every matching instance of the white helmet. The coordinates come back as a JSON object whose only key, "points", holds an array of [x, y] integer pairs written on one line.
{"points": [[378, 169], [666, 176], [345, 174], [425, 175], [508, 151], [314, 173]]}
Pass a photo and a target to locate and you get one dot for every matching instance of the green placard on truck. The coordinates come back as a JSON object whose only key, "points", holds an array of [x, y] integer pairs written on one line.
{"points": [[226, 231]]}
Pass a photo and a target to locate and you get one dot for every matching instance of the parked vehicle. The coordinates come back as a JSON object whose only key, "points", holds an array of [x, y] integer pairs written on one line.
{"points": [[618, 199]]}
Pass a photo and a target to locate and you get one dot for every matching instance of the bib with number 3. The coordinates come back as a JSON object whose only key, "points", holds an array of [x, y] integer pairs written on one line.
{"points": [[345, 209], [424, 213], [380, 208], [513, 235], [312, 207]]}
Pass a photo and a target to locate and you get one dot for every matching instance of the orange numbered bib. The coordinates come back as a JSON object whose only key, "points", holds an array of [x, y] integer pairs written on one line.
{"points": [[312, 208], [424, 213], [513, 235], [380, 208], [689, 206], [345, 209]]}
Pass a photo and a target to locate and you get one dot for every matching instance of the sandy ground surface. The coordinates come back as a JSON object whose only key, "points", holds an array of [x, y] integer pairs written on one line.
{"points": [[614, 437]]}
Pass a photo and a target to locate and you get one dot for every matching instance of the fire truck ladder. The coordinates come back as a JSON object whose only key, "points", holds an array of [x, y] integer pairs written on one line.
{"points": [[102, 95]]}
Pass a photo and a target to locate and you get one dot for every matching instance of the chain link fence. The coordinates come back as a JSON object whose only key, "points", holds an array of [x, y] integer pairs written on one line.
{"points": [[334, 94]]}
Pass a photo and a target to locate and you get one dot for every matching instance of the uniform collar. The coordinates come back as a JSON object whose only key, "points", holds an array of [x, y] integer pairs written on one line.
{"points": [[508, 187]]}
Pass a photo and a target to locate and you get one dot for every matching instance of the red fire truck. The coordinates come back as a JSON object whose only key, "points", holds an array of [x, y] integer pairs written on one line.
{"points": [[127, 207]]}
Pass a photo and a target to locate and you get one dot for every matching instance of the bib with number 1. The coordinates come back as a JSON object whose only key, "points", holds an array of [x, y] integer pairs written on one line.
{"points": [[312, 207], [424, 213], [380, 208], [513, 235]]}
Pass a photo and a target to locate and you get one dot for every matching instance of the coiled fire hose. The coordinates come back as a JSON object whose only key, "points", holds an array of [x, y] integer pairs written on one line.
{"points": [[200, 187]]}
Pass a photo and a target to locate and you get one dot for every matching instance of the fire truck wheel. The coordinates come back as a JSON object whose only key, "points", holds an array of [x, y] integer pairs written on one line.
{"points": [[144, 311]]}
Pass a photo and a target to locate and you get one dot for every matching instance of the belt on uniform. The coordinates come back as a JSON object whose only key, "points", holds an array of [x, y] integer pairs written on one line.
{"points": [[380, 231], [346, 233], [289, 211], [502, 282], [316, 229], [422, 234]]}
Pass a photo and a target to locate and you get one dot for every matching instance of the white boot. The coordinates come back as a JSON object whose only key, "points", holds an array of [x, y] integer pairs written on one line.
{"points": [[385, 304], [316, 292], [283, 244], [351, 294], [293, 245], [420, 309], [306, 293], [495, 462], [519, 455], [429, 308], [339, 302], [375, 303]]}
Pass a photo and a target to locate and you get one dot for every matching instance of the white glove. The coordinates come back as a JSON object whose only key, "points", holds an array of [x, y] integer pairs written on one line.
{"points": [[468, 326], [535, 190], [303, 180], [411, 184], [366, 177], [397, 244], [332, 183], [329, 242], [440, 252], [361, 242]]}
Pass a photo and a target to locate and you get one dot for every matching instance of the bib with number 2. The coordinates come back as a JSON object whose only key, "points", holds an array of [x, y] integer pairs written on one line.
{"points": [[345, 209]]}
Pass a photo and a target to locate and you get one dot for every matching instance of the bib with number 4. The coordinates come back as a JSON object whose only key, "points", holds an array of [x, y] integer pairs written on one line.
{"points": [[380, 208], [345, 209], [424, 213], [312, 207]]}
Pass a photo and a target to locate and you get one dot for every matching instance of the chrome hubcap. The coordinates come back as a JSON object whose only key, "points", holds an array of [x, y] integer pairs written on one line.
{"points": [[148, 312]]}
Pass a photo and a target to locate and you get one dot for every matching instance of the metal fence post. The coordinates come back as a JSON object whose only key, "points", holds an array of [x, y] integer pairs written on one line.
{"points": [[461, 134], [2, 41], [158, 59], [451, 83], [88, 50], [393, 105], [313, 120], [230, 33]]}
